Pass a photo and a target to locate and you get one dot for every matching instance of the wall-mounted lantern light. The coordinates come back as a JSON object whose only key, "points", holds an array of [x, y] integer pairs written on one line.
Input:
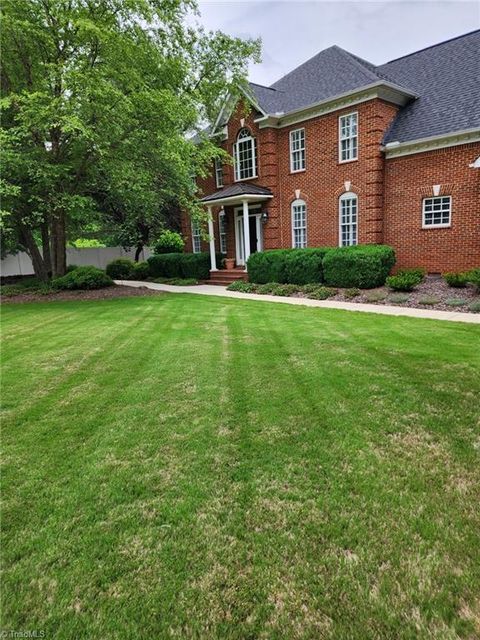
{"points": [[264, 216]]}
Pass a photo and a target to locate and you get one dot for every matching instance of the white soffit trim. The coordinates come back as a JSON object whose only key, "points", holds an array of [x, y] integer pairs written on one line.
{"points": [[236, 199], [397, 149], [384, 90]]}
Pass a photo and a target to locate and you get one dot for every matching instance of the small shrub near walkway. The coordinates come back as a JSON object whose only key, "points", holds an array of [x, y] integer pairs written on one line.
{"points": [[429, 291]]}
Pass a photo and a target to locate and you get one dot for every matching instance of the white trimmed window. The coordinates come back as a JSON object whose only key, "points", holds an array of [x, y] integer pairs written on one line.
{"points": [[297, 150], [244, 156], [348, 215], [437, 212], [218, 172], [196, 237], [348, 137], [222, 228], [299, 224]]}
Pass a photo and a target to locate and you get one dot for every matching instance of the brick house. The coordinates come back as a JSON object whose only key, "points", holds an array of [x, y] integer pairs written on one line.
{"points": [[340, 152]]}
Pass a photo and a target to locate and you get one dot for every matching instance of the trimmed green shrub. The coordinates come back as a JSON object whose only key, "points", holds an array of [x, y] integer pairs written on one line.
{"points": [[72, 267], [269, 288], [141, 271], [473, 277], [456, 302], [417, 272], [286, 289], [475, 307], [458, 280], [287, 266], [181, 265], [321, 293], [351, 293], [429, 300], [363, 266], [243, 287], [375, 296], [169, 242], [120, 269], [83, 278], [403, 281]]}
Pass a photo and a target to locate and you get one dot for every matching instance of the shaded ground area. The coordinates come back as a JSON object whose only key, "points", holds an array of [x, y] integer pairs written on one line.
{"points": [[95, 294], [184, 466]]}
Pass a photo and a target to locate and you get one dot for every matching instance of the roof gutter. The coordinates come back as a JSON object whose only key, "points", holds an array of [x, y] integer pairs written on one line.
{"points": [[397, 149]]}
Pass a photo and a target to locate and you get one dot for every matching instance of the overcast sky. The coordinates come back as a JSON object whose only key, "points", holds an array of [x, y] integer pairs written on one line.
{"points": [[292, 31]]}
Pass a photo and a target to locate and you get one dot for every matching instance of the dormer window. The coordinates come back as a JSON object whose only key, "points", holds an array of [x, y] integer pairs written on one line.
{"points": [[244, 156], [348, 137]]}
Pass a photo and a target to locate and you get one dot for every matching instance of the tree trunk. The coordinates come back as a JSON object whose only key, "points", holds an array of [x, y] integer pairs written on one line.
{"points": [[33, 251], [59, 245], [138, 251], [47, 254]]}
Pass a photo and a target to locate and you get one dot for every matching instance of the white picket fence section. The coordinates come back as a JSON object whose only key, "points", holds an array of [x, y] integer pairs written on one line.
{"points": [[21, 265]]}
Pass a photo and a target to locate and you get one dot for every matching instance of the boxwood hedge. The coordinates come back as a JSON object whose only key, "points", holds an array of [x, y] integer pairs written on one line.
{"points": [[287, 266], [181, 265], [363, 266]]}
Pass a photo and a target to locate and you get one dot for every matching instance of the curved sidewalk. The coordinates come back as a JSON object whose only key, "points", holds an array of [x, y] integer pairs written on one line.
{"points": [[388, 310]]}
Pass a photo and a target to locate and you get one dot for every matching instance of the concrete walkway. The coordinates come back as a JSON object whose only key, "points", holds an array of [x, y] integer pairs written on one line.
{"points": [[388, 310]]}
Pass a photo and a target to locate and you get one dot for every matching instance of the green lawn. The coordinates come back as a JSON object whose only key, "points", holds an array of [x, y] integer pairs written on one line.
{"points": [[192, 467]]}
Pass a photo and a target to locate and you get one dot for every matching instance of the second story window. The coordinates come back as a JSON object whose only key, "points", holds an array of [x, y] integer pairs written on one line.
{"points": [[244, 155], [348, 137], [218, 172], [297, 150]]}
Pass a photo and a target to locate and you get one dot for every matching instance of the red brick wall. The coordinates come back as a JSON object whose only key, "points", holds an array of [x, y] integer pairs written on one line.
{"points": [[408, 180], [389, 191]]}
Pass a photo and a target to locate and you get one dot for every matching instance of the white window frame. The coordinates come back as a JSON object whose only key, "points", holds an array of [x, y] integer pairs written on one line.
{"points": [[352, 140], [352, 235], [222, 231], [437, 225], [250, 140], [296, 204], [218, 165], [196, 237], [297, 153]]}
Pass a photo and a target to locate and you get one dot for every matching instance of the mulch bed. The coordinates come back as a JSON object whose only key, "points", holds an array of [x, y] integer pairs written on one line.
{"points": [[116, 291], [432, 287]]}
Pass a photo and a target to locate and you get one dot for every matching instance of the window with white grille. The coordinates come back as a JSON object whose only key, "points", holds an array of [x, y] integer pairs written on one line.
{"points": [[245, 156], [299, 224], [218, 172], [437, 212], [348, 137], [222, 228], [348, 219], [297, 150], [196, 237]]}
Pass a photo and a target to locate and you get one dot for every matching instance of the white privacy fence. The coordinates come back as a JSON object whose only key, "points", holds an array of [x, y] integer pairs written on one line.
{"points": [[21, 265]]}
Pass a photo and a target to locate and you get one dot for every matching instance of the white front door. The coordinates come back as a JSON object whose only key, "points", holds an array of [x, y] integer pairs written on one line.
{"points": [[256, 240]]}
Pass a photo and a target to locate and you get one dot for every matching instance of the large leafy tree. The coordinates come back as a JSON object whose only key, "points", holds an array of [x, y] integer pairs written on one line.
{"points": [[100, 98]]}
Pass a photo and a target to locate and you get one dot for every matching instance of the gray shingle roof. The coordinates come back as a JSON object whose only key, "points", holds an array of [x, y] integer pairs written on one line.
{"points": [[238, 189], [444, 76]]}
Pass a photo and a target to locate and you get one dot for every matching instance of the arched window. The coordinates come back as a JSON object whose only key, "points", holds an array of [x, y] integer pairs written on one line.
{"points": [[245, 156], [299, 224], [348, 219]]}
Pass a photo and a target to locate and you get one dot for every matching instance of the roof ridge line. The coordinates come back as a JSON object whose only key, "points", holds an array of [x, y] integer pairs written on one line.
{"points": [[432, 46], [356, 61]]}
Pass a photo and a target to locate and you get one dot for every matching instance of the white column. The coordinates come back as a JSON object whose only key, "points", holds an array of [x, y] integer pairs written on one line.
{"points": [[246, 233], [213, 259]]}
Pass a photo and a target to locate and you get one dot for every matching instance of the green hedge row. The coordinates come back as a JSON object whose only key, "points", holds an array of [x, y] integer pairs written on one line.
{"points": [[287, 266], [182, 265], [362, 266]]}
